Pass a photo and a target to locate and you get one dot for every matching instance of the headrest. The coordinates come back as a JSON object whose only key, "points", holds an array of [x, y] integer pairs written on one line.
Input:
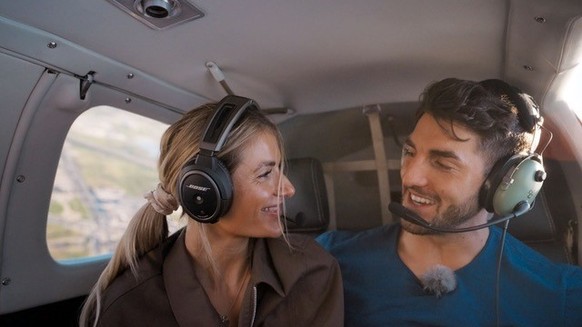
{"points": [[307, 211], [536, 225], [538, 229]]}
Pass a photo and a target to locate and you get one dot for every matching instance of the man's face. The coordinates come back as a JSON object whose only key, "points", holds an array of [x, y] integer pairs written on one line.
{"points": [[441, 176]]}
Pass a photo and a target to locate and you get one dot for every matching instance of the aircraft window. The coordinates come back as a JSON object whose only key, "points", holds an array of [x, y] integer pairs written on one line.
{"points": [[108, 161], [571, 92]]}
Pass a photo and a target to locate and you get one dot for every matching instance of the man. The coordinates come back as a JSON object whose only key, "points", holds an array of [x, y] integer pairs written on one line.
{"points": [[444, 265]]}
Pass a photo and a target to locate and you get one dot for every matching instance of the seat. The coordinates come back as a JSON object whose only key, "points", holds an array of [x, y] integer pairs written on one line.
{"points": [[547, 228], [550, 227], [307, 211], [538, 230]]}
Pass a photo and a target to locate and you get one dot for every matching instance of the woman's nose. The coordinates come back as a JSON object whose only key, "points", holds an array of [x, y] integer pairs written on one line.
{"points": [[287, 189]]}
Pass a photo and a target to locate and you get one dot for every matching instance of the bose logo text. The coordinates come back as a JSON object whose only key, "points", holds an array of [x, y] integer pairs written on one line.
{"points": [[199, 188]]}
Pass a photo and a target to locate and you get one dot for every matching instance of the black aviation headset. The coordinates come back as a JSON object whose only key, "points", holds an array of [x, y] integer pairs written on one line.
{"points": [[515, 179], [204, 184]]}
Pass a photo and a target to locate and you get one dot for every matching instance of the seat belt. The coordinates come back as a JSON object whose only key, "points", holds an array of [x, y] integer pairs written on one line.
{"points": [[373, 114], [379, 164]]}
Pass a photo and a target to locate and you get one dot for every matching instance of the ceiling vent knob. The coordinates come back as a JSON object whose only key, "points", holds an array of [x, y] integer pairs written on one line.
{"points": [[159, 8]]}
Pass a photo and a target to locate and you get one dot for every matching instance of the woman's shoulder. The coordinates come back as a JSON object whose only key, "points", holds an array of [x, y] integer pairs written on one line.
{"points": [[147, 270], [297, 260], [300, 248]]}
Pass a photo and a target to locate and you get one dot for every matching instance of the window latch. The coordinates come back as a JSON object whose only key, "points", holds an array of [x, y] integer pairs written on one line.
{"points": [[85, 84]]}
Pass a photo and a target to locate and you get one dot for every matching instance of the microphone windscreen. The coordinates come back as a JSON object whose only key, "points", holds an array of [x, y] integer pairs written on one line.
{"points": [[300, 218], [439, 280], [297, 221]]}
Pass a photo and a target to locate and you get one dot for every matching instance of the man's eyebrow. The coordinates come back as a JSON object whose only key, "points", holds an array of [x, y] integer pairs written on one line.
{"points": [[444, 154], [436, 153]]}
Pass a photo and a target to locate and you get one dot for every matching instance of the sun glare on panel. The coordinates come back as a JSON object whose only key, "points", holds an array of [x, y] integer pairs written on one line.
{"points": [[571, 92]]}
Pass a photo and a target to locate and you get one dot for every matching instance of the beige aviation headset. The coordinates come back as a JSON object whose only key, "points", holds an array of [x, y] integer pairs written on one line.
{"points": [[516, 180], [204, 184]]}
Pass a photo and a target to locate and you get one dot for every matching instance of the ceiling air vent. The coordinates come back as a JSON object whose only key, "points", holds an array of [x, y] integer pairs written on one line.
{"points": [[160, 14]]}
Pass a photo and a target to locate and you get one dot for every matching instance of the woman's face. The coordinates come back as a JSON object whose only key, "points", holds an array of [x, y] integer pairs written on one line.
{"points": [[256, 205]]}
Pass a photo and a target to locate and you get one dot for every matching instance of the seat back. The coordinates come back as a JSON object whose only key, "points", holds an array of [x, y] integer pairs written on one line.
{"points": [[308, 210], [551, 226], [538, 229]]}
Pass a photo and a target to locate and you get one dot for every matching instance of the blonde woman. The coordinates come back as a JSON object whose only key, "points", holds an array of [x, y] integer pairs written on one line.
{"points": [[238, 270]]}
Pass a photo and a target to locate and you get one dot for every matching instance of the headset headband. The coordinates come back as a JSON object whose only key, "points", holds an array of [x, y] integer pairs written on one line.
{"points": [[227, 113], [528, 112]]}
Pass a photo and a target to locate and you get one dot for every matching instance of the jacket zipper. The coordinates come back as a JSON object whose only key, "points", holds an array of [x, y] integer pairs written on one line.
{"points": [[254, 305]]}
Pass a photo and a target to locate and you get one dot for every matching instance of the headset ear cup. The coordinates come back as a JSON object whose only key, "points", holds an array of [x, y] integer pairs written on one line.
{"points": [[205, 189], [204, 185], [521, 183], [500, 169]]}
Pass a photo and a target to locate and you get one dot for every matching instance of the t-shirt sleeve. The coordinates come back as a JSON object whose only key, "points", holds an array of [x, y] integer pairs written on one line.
{"points": [[573, 298], [326, 239]]}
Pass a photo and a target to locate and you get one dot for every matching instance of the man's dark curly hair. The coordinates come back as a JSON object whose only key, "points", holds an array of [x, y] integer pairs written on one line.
{"points": [[482, 109]]}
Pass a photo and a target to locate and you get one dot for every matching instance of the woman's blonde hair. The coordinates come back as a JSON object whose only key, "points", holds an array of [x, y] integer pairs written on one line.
{"points": [[148, 228]]}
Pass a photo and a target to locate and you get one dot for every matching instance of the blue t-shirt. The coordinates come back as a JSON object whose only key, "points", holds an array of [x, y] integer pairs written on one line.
{"points": [[381, 291]]}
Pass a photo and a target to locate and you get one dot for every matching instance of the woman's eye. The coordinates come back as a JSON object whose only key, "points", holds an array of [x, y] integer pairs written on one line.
{"points": [[265, 174]]}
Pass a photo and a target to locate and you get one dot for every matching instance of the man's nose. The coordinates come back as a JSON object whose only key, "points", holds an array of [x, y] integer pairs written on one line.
{"points": [[414, 172]]}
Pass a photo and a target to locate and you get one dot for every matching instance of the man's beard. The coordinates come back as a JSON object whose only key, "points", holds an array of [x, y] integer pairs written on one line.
{"points": [[452, 217]]}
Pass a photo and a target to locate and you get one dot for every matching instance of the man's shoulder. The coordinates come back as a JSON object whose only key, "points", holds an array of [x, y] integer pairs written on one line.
{"points": [[341, 238], [296, 247], [533, 262]]}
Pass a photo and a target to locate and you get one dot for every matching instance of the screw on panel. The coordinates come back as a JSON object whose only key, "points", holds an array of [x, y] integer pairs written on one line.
{"points": [[130, 76], [52, 45], [528, 67], [20, 178], [5, 281], [540, 19], [127, 100]]}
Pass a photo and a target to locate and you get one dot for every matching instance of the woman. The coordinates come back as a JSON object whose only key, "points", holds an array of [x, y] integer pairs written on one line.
{"points": [[241, 270]]}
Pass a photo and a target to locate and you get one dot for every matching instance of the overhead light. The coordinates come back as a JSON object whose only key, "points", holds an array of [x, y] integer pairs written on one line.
{"points": [[159, 14]]}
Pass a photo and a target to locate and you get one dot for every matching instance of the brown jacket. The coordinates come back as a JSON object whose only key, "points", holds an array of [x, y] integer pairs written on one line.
{"points": [[301, 286]]}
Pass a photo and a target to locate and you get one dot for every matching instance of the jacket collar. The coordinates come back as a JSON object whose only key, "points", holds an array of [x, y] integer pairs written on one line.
{"points": [[263, 269], [186, 294]]}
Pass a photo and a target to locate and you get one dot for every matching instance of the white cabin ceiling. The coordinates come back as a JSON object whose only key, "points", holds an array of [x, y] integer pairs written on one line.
{"points": [[315, 56]]}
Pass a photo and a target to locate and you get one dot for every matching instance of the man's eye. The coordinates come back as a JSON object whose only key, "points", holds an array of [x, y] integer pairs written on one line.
{"points": [[442, 166]]}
